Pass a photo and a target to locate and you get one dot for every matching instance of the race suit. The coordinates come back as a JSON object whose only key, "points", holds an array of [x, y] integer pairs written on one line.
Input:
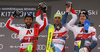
{"points": [[25, 34], [78, 33], [59, 35]]}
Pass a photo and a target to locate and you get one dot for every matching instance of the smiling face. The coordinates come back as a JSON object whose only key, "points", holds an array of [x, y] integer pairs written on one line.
{"points": [[28, 21], [82, 18], [57, 20]]}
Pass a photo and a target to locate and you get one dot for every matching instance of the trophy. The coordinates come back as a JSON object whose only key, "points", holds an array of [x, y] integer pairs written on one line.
{"points": [[42, 5], [68, 3]]}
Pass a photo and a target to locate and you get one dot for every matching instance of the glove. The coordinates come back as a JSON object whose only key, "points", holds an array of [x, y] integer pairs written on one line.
{"points": [[42, 6], [17, 13], [84, 49]]}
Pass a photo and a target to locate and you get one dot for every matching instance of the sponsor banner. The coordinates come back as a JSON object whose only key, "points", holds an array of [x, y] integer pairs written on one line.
{"points": [[7, 11], [90, 12], [39, 47], [2, 35], [10, 40], [15, 36], [3, 24]]}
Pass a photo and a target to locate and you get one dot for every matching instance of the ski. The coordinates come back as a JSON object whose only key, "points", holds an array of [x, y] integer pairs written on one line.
{"points": [[49, 39], [35, 37]]}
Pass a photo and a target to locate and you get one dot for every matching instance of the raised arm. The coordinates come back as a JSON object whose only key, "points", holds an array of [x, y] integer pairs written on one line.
{"points": [[69, 25], [64, 19], [74, 17], [44, 23], [72, 21], [42, 7], [38, 17], [12, 27]]}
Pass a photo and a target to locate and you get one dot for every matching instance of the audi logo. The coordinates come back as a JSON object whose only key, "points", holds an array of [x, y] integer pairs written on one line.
{"points": [[2, 24], [14, 36], [67, 37], [41, 47], [1, 46], [99, 36]]}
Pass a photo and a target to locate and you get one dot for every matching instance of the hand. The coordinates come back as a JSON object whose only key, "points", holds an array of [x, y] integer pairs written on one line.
{"points": [[17, 13], [84, 49], [68, 8], [42, 6]]}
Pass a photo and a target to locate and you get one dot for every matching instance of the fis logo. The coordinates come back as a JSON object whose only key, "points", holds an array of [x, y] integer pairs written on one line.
{"points": [[86, 24]]}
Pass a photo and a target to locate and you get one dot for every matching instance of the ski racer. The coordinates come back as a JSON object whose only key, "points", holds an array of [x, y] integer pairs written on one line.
{"points": [[25, 33], [78, 33], [60, 32]]}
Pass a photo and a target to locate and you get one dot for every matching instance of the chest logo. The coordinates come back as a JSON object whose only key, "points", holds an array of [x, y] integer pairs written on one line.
{"points": [[28, 32]]}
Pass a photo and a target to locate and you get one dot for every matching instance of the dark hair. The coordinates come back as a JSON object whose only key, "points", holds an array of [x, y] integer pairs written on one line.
{"points": [[29, 15], [85, 12]]}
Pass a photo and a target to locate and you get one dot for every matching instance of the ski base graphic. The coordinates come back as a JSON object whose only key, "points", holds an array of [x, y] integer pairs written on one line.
{"points": [[35, 37], [49, 39]]}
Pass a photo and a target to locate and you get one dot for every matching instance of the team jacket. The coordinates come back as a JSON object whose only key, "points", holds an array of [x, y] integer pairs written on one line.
{"points": [[25, 34], [59, 35], [78, 33]]}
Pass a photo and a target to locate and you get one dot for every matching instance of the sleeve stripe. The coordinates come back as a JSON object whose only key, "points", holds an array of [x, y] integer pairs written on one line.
{"points": [[44, 25], [11, 28], [38, 13], [44, 15], [73, 11]]}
